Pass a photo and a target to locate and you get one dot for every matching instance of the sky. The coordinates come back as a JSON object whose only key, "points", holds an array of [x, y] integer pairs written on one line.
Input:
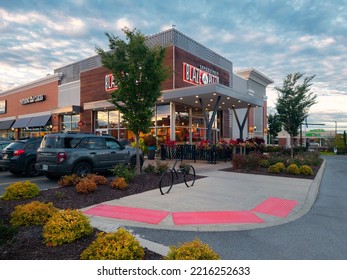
{"points": [[274, 37]]}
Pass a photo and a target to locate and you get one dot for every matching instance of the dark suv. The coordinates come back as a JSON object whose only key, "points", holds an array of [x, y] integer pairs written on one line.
{"points": [[66, 153], [20, 156]]}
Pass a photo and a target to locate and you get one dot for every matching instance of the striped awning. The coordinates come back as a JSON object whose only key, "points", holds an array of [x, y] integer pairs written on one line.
{"points": [[6, 124], [39, 121], [23, 122]]}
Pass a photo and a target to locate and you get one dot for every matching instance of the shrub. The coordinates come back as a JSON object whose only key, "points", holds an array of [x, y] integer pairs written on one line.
{"points": [[161, 167], [305, 170], [264, 163], [120, 245], [69, 180], [194, 250], [66, 226], [274, 169], [121, 170], [33, 213], [238, 161], [86, 186], [184, 167], [98, 179], [21, 190], [6, 232], [281, 166], [119, 183], [293, 169], [150, 168]]}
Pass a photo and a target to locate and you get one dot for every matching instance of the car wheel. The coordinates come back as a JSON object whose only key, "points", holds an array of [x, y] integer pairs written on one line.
{"points": [[82, 169], [30, 169]]}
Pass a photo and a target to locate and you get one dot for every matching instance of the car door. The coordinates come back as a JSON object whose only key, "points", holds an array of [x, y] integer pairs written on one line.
{"points": [[96, 150], [117, 154]]}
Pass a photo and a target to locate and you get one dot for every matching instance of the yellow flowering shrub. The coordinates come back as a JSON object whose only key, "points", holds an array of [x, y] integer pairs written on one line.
{"points": [[194, 250], [66, 226], [306, 170], [33, 213], [120, 245], [21, 190], [293, 169]]}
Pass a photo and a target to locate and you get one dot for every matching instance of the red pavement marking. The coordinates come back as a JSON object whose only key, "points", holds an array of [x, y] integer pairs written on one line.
{"points": [[276, 207], [214, 217], [128, 213]]}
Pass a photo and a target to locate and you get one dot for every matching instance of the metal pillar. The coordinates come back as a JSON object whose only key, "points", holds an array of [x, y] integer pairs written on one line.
{"points": [[241, 126]]}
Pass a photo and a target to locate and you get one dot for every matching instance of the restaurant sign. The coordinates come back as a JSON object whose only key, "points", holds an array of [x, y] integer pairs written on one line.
{"points": [[199, 76], [32, 99], [110, 83]]}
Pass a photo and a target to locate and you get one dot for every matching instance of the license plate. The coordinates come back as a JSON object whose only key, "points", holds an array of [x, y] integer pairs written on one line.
{"points": [[5, 156], [45, 167]]}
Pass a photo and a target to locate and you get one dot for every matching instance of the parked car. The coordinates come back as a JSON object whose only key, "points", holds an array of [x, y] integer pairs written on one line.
{"points": [[3, 145], [66, 153], [19, 156]]}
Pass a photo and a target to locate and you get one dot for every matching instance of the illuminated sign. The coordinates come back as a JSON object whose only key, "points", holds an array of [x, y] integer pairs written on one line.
{"points": [[110, 83], [32, 99], [199, 76]]}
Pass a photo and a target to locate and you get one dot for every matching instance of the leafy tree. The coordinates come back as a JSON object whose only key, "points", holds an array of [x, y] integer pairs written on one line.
{"points": [[294, 102], [138, 72], [274, 125]]}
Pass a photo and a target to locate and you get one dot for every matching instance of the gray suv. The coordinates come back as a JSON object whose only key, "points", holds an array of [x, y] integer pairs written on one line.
{"points": [[66, 153]]}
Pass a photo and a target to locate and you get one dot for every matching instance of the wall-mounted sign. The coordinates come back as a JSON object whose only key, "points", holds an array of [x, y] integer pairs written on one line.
{"points": [[32, 99], [110, 82], [3, 107], [199, 76]]}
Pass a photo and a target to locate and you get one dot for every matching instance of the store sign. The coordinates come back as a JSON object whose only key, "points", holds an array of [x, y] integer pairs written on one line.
{"points": [[32, 99], [110, 83], [3, 107], [199, 76]]}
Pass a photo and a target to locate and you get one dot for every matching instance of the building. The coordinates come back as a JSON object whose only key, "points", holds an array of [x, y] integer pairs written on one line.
{"points": [[203, 99]]}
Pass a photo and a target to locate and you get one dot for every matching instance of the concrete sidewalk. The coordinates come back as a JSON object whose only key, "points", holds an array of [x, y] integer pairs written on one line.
{"points": [[219, 194]]}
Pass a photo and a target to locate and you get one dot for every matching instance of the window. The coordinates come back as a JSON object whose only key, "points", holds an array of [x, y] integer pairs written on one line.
{"points": [[112, 144]]}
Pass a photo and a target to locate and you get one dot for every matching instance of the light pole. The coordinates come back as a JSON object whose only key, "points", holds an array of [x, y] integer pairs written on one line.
{"points": [[335, 128]]}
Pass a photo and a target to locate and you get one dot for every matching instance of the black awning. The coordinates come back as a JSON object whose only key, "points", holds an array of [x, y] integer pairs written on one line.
{"points": [[39, 121], [23, 122], [6, 124]]}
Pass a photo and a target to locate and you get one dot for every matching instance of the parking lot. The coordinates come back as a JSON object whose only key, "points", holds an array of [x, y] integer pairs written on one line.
{"points": [[7, 178]]}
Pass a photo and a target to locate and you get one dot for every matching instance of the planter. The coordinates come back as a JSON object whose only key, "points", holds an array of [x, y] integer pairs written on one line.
{"points": [[151, 152]]}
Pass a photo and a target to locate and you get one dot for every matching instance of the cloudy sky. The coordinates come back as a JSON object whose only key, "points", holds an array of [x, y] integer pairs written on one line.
{"points": [[275, 37]]}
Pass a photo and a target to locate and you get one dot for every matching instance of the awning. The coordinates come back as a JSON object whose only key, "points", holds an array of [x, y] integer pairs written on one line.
{"points": [[21, 122], [38, 121], [6, 124]]}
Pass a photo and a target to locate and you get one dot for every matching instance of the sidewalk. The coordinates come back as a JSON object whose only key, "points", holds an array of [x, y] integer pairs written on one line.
{"points": [[223, 201]]}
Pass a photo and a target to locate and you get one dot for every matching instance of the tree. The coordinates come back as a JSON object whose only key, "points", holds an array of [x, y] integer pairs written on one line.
{"points": [[138, 73], [294, 102], [274, 125]]}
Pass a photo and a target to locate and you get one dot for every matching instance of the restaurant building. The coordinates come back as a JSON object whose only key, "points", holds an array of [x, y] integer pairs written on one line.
{"points": [[202, 99]]}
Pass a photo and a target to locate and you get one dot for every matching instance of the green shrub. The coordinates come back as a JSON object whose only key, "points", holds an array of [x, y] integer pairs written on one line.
{"points": [[66, 226], [33, 213], [306, 170], [121, 170], [7, 232], [21, 190], [150, 168], [194, 250], [86, 185], [119, 183], [161, 167], [120, 245], [264, 163], [293, 169]]}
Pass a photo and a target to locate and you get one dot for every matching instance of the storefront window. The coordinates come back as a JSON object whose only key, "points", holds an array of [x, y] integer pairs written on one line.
{"points": [[69, 123]]}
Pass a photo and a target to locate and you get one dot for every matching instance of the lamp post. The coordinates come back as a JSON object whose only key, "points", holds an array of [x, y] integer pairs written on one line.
{"points": [[335, 128]]}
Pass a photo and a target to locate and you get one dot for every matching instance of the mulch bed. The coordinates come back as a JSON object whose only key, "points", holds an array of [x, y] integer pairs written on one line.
{"points": [[28, 242]]}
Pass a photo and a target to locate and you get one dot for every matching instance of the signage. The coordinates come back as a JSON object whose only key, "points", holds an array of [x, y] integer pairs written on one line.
{"points": [[199, 76], [80, 123], [110, 83], [32, 99], [3, 107]]}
